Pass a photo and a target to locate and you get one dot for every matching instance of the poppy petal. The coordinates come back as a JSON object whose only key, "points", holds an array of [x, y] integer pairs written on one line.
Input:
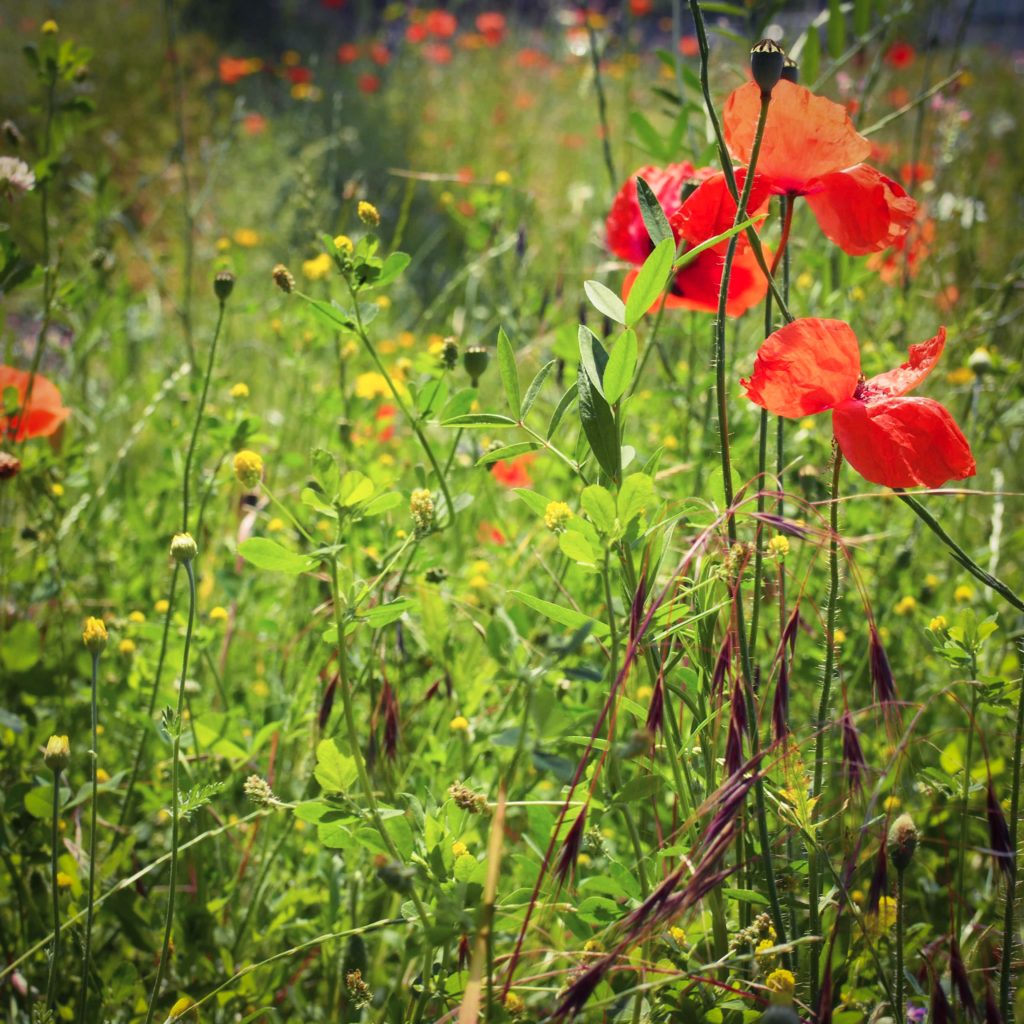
{"points": [[862, 210], [711, 209], [806, 136], [906, 377], [807, 366], [902, 442], [625, 231], [45, 412], [697, 285]]}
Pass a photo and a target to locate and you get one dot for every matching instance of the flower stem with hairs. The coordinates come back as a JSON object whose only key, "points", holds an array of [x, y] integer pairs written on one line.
{"points": [[91, 897], [1009, 938], [51, 982]]}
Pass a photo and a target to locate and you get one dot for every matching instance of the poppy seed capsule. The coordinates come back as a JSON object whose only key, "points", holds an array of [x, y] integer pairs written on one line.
{"points": [[222, 284], [475, 360], [901, 842], [767, 60], [791, 71]]}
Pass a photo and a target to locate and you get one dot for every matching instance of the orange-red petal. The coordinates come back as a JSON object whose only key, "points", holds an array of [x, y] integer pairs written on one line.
{"points": [[625, 232], [807, 366], [45, 412], [806, 136], [862, 210], [711, 209], [902, 442], [908, 375]]}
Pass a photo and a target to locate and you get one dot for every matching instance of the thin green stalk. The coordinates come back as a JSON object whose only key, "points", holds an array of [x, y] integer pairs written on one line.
{"points": [[965, 791], [900, 926], [813, 872], [602, 108], [959, 555], [1009, 929], [95, 754], [199, 419], [51, 982], [720, 321], [175, 823]]}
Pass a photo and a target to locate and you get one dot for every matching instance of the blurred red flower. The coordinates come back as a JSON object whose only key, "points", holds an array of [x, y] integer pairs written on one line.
{"points": [[638, 8], [299, 75], [44, 414], [438, 53], [254, 124], [368, 83], [491, 25], [440, 24], [900, 55], [233, 69], [811, 149], [380, 54], [348, 53], [514, 472], [689, 46], [813, 365]]}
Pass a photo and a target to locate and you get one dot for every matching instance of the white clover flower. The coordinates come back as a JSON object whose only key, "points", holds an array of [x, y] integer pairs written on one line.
{"points": [[15, 176]]}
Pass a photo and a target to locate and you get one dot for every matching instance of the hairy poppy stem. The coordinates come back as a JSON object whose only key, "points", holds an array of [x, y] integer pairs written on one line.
{"points": [[1009, 930], [900, 926], [813, 872], [51, 981]]}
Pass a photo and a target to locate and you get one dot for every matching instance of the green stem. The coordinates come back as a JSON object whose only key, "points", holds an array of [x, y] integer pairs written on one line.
{"points": [[172, 883], [900, 925], [602, 108], [86, 956], [51, 982], [959, 555], [720, 322], [813, 871], [965, 791], [198, 422], [1009, 931]]}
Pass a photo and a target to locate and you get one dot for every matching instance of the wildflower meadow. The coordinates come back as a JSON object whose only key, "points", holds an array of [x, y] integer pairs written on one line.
{"points": [[511, 512]]}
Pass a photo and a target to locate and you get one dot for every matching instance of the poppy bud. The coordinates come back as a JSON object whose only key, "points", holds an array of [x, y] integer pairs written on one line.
{"points": [[222, 284], [57, 755], [183, 548], [791, 71], [767, 59], [283, 278], [902, 842], [980, 361], [475, 360]]}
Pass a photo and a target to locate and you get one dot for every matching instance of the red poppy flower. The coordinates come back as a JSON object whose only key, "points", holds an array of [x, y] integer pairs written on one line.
{"points": [[233, 69], [813, 365], [638, 8], [707, 212], [488, 533], [45, 412], [380, 54], [438, 53], [368, 83], [254, 124], [299, 75], [441, 24], [491, 25], [347, 53], [514, 472], [900, 55], [415, 33], [811, 149], [689, 46]]}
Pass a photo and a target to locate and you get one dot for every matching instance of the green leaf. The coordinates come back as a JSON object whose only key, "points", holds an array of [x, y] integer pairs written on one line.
{"points": [[564, 616], [510, 451], [654, 216], [636, 494], [593, 357], [861, 17], [575, 546], [537, 502], [382, 503], [269, 555], [618, 374], [810, 58], [534, 389], [480, 419], [651, 280], [334, 770], [599, 504], [595, 413], [394, 265], [20, 648], [334, 317], [385, 614], [355, 488], [605, 301], [836, 30], [746, 896], [508, 371], [560, 410]]}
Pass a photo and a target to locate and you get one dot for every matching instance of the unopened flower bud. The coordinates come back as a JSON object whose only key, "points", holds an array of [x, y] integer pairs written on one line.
{"points": [[50, 27], [10, 466], [283, 278], [449, 353], [791, 71], [57, 755], [94, 635], [475, 360], [248, 468], [258, 791], [184, 1009], [222, 284], [767, 59], [901, 842], [980, 360], [12, 133], [183, 548]]}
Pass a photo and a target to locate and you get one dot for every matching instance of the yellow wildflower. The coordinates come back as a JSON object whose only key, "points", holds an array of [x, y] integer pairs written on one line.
{"points": [[64, 880], [240, 390], [905, 605], [963, 593], [276, 525], [57, 490], [931, 581], [778, 546], [161, 606], [372, 385], [781, 984], [126, 647], [248, 468], [223, 244], [247, 238], [556, 515], [136, 617], [678, 934], [459, 849], [514, 1006], [317, 268], [218, 614], [94, 635], [938, 624], [459, 724], [368, 213], [503, 178], [839, 637], [50, 27]]}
